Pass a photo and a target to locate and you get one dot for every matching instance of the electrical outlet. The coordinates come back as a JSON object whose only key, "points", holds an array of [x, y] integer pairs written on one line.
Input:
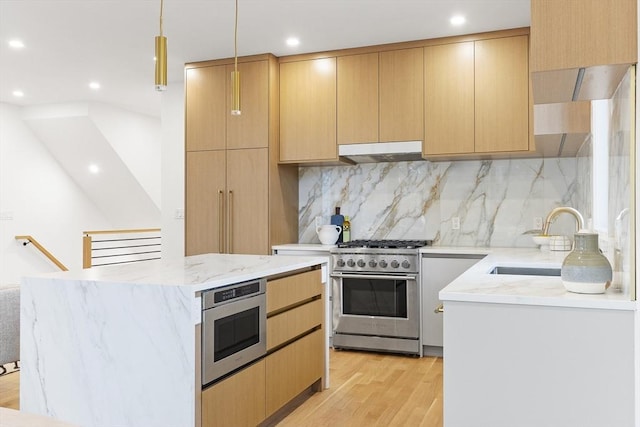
{"points": [[179, 214], [455, 223], [537, 223]]}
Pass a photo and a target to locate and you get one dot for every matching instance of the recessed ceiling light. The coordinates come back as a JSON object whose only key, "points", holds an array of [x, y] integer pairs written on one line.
{"points": [[93, 168], [94, 85], [18, 93], [16, 44], [293, 41], [457, 20]]}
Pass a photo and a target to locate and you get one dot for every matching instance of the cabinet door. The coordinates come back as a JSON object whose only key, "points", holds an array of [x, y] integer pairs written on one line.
{"points": [[449, 99], [357, 80], [308, 110], [204, 215], [250, 129], [571, 34], [205, 108], [502, 94], [401, 95], [438, 270], [237, 401], [248, 203]]}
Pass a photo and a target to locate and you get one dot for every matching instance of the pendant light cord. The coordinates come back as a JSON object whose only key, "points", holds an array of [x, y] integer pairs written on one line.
{"points": [[235, 40], [161, 7]]}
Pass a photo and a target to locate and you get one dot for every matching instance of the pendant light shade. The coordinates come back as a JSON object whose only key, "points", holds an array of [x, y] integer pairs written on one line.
{"points": [[161, 63], [161, 57], [235, 75]]}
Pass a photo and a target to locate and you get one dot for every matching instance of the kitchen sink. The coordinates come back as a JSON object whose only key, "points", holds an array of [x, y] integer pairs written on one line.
{"points": [[526, 271]]}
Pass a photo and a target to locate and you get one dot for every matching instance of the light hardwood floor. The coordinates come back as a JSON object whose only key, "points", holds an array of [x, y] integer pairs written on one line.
{"points": [[367, 389]]}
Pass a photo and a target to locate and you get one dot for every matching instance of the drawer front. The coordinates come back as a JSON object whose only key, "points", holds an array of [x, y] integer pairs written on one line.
{"points": [[289, 324], [221, 405], [291, 290], [292, 369]]}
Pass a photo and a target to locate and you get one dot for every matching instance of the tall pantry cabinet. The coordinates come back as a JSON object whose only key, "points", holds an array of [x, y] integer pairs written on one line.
{"points": [[237, 198]]}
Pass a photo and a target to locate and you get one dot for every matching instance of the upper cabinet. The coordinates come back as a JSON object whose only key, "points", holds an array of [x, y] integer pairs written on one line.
{"points": [[308, 111], [580, 50], [358, 98], [380, 97], [205, 127], [209, 124], [401, 95], [477, 97]]}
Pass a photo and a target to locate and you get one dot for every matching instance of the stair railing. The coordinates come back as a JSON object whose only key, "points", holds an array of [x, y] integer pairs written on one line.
{"points": [[120, 246], [29, 239]]}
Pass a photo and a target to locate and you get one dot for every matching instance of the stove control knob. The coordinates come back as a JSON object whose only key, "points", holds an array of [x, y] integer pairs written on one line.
{"points": [[340, 263], [383, 264], [351, 263], [361, 263], [395, 264], [373, 263], [406, 264]]}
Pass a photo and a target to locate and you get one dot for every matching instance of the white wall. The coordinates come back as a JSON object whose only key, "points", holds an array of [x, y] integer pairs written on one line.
{"points": [[42, 200], [172, 115]]}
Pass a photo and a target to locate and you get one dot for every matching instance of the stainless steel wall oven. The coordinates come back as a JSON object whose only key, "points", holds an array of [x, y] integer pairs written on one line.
{"points": [[376, 296], [233, 328]]}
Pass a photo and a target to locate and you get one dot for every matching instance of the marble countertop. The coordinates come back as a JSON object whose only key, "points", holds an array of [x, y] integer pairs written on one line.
{"points": [[478, 285], [198, 272], [303, 247]]}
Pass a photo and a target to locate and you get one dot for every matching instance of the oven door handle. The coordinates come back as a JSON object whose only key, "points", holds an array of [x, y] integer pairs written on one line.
{"points": [[372, 276]]}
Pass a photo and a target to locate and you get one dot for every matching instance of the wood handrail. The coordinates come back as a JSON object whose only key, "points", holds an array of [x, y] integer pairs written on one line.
{"points": [[41, 248], [139, 230]]}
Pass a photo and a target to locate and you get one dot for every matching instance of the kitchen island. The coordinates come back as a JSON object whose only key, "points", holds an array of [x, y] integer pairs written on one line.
{"points": [[521, 350], [120, 345]]}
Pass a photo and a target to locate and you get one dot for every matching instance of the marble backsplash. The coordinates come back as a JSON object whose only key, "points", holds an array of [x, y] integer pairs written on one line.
{"points": [[495, 201]]}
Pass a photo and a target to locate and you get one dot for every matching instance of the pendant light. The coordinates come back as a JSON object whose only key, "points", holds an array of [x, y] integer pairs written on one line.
{"points": [[161, 57], [235, 75]]}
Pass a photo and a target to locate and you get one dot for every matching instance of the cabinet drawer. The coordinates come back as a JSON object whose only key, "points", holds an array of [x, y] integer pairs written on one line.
{"points": [[238, 400], [291, 370], [291, 290], [289, 324]]}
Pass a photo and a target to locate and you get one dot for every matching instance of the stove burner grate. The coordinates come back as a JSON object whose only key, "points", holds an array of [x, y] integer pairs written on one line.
{"points": [[386, 244]]}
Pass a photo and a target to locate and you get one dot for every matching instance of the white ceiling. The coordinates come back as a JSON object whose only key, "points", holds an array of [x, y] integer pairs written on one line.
{"points": [[69, 43]]}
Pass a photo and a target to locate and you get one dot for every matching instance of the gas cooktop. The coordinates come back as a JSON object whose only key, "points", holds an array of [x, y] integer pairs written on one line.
{"points": [[386, 244]]}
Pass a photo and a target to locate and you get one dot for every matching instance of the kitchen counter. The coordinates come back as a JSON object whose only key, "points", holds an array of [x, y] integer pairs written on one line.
{"points": [[477, 285], [118, 345], [302, 247]]}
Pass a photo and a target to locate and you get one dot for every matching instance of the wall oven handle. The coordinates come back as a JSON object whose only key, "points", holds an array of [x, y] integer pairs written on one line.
{"points": [[372, 276]]}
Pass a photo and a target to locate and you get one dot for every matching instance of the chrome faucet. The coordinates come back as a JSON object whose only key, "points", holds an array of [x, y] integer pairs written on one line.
{"points": [[557, 211]]}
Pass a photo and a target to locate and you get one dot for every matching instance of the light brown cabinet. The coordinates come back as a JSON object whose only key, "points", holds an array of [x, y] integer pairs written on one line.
{"points": [[237, 198], [572, 34], [308, 111], [227, 201], [401, 95], [238, 400], [477, 97], [357, 98], [295, 330], [380, 97]]}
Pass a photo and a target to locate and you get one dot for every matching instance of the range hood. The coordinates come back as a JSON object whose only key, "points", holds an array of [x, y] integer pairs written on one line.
{"points": [[381, 152]]}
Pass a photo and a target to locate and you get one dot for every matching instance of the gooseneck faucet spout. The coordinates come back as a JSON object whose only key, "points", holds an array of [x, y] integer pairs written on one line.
{"points": [[557, 211]]}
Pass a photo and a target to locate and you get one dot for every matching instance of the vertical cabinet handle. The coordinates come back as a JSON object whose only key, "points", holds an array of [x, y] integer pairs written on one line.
{"points": [[221, 221], [230, 221]]}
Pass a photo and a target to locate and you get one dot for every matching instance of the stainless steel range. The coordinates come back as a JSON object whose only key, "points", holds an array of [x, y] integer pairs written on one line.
{"points": [[376, 295]]}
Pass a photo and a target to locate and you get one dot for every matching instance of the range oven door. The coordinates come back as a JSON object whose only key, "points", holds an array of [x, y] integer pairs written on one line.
{"points": [[377, 305], [233, 335]]}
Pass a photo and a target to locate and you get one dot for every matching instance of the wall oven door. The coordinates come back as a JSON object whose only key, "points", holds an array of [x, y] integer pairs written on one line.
{"points": [[233, 328], [383, 305]]}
